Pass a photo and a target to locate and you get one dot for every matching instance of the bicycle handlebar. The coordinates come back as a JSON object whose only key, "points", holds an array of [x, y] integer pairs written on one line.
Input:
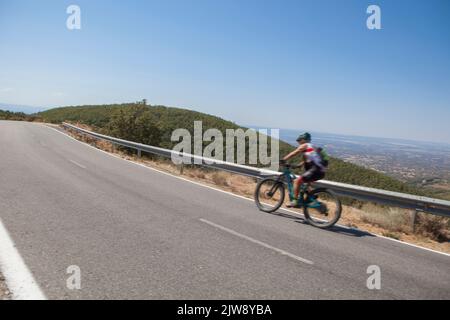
{"points": [[290, 166]]}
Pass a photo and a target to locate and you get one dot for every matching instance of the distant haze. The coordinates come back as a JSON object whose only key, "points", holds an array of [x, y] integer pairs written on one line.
{"points": [[21, 108], [290, 136]]}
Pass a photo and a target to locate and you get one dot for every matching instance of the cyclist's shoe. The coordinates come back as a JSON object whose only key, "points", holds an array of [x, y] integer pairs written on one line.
{"points": [[312, 202]]}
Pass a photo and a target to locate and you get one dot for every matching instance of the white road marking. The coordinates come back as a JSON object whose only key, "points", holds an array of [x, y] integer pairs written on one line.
{"points": [[19, 279], [77, 164], [262, 244], [235, 195]]}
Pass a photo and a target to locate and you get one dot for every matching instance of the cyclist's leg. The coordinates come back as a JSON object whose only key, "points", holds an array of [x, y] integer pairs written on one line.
{"points": [[296, 201], [315, 174], [310, 175], [297, 184]]}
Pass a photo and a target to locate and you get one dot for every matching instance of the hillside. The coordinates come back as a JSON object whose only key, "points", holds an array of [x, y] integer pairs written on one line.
{"points": [[155, 124]]}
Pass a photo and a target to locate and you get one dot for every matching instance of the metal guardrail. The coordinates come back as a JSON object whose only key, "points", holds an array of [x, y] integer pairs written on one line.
{"points": [[397, 199]]}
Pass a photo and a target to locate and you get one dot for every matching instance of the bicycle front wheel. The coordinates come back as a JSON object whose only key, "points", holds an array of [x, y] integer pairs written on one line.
{"points": [[269, 195], [323, 208]]}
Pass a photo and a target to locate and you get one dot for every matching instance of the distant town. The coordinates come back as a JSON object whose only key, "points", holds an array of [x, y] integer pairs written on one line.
{"points": [[415, 162]]}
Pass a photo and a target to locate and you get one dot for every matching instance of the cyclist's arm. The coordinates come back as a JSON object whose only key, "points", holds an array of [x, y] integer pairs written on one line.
{"points": [[297, 151]]}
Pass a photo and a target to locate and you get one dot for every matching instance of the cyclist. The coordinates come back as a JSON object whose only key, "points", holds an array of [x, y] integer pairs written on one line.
{"points": [[314, 167]]}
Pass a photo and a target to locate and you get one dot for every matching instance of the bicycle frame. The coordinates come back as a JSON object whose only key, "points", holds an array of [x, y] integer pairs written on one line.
{"points": [[289, 181]]}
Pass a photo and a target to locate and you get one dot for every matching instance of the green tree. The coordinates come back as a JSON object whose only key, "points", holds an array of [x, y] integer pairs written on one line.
{"points": [[135, 124]]}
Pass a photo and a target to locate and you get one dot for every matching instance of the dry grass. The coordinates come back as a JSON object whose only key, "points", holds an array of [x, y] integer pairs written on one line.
{"points": [[392, 219], [431, 231], [220, 179], [400, 221]]}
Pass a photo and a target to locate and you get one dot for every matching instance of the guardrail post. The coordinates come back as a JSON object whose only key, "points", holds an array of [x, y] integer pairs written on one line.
{"points": [[414, 220], [181, 168], [139, 154]]}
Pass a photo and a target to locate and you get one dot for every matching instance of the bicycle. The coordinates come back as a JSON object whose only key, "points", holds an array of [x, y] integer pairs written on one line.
{"points": [[321, 207]]}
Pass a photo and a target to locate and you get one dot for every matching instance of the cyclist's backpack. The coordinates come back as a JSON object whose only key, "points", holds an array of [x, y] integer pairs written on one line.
{"points": [[324, 157]]}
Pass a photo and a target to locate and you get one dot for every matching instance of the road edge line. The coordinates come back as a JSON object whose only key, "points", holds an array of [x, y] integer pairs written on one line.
{"points": [[18, 277]]}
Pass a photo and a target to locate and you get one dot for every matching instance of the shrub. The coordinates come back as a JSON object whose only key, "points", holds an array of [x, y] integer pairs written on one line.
{"points": [[437, 228]]}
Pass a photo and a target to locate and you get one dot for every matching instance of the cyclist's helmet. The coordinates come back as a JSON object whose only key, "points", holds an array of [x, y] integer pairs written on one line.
{"points": [[304, 136]]}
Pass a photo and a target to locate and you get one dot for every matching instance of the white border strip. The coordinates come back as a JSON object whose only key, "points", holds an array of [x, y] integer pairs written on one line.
{"points": [[18, 277], [238, 196]]}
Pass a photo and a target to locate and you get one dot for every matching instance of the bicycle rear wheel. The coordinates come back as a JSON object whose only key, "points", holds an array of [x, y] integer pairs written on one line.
{"points": [[323, 209], [269, 195]]}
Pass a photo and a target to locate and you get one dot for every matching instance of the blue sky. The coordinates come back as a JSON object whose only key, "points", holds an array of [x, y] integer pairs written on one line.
{"points": [[291, 64]]}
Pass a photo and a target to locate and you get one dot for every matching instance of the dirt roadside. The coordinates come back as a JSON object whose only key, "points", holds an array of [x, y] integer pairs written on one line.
{"points": [[5, 294]]}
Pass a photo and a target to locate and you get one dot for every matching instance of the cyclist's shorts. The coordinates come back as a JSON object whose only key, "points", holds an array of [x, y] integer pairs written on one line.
{"points": [[313, 173]]}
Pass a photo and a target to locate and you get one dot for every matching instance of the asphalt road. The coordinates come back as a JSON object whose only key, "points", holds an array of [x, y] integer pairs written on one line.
{"points": [[136, 233]]}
